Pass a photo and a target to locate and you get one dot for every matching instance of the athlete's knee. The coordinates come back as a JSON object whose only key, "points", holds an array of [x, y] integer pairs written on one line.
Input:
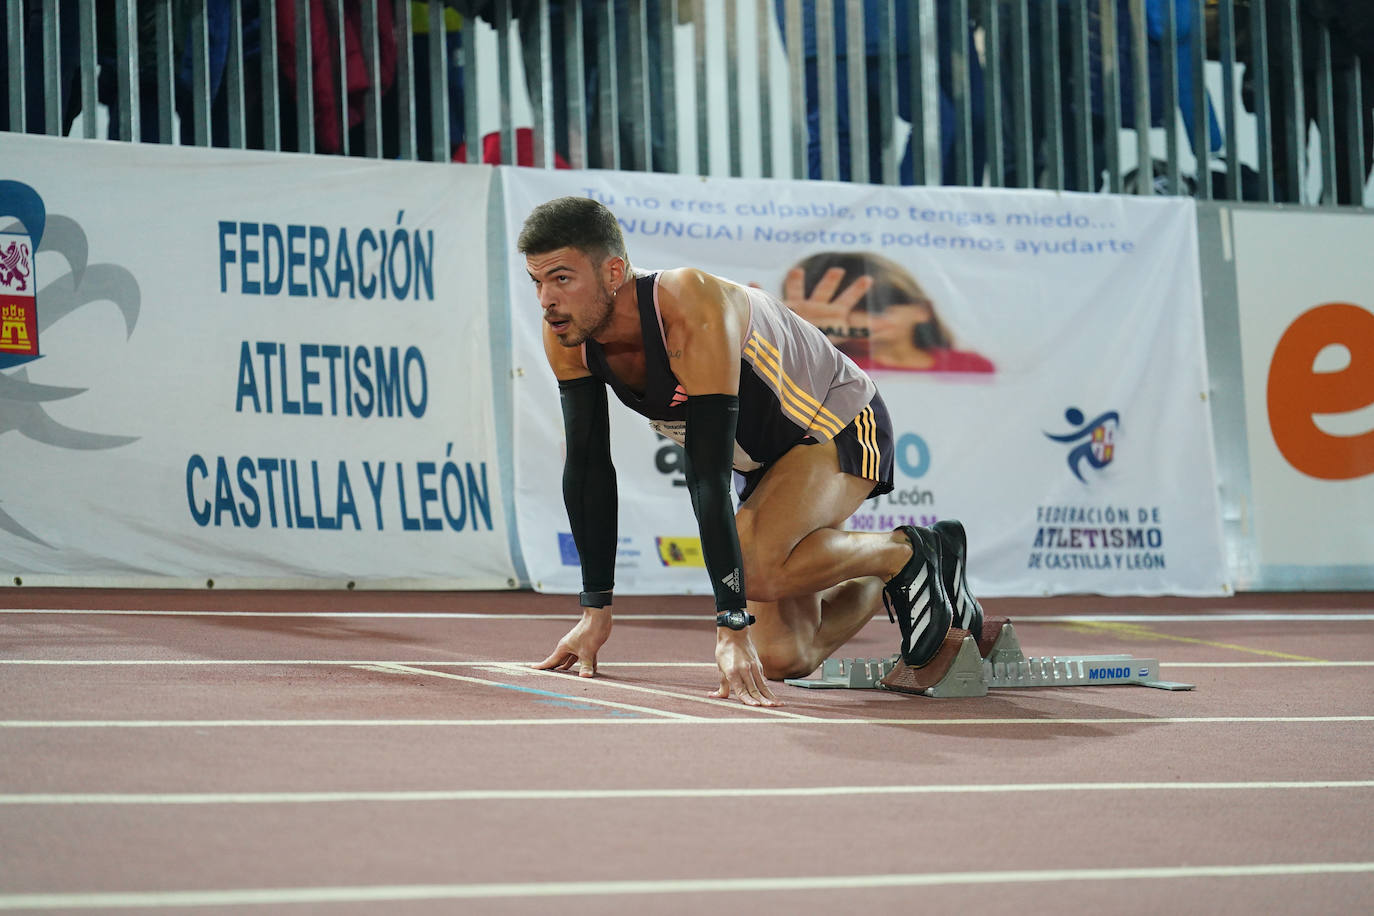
{"points": [[786, 658]]}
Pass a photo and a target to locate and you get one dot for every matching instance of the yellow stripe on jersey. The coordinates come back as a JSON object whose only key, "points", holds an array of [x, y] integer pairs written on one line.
{"points": [[768, 358], [785, 401], [787, 397], [806, 397]]}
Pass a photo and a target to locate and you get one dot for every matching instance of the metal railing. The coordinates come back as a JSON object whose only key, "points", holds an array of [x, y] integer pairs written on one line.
{"points": [[1265, 100]]}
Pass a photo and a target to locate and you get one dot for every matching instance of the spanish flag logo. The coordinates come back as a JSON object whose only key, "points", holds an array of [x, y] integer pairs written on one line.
{"points": [[18, 300], [680, 551]]}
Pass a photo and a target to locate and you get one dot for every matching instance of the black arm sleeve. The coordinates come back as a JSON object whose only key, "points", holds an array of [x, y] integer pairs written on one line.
{"points": [[589, 488], [710, 450]]}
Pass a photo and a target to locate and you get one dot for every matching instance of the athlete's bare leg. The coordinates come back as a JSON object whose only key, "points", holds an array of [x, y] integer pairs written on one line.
{"points": [[815, 584]]}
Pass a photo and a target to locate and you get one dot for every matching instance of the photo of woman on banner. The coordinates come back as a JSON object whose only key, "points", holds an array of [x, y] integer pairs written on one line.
{"points": [[876, 312]]}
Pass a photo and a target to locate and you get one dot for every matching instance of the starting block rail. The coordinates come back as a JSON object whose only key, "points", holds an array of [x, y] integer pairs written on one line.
{"points": [[1005, 667]]}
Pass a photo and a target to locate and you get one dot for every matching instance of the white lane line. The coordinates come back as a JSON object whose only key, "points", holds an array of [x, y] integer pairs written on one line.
{"points": [[683, 720], [504, 795], [399, 892], [731, 704], [512, 665], [645, 710], [703, 618]]}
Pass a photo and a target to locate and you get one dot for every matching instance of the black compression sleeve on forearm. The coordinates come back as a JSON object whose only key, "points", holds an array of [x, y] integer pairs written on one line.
{"points": [[589, 487], [710, 450]]}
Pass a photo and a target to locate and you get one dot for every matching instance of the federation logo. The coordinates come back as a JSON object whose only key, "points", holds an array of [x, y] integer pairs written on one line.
{"points": [[18, 298], [1096, 440], [26, 231]]}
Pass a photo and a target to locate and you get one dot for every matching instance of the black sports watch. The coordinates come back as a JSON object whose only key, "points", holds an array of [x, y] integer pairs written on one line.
{"points": [[735, 620]]}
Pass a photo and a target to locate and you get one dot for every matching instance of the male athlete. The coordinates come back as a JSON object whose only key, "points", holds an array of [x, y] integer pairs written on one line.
{"points": [[744, 384]]}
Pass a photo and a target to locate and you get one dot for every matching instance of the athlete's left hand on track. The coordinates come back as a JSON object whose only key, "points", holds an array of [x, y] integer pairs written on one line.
{"points": [[581, 644], [741, 672]]}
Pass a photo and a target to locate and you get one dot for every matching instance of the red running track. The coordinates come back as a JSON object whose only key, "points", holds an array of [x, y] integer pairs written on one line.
{"points": [[366, 752]]}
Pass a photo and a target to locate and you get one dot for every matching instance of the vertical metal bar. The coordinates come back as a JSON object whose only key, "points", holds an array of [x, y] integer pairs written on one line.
{"points": [[233, 78], [825, 81], [702, 101], [1296, 128], [637, 110], [1111, 96], [796, 85], [372, 101], [1202, 125], [856, 80], [17, 23], [1259, 61], [732, 118], [575, 84], [437, 55], [89, 102], [472, 82], [926, 46], [994, 123], [961, 91], [1085, 176], [305, 81], [164, 71], [763, 19], [405, 81], [1354, 119], [1326, 118], [665, 107], [1021, 107], [1140, 79], [126, 62], [541, 91], [507, 153], [335, 16], [608, 88], [1226, 37], [887, 92], [1169, 63], [271, 68], [52, 69], [200, 74], [1052, 108]]}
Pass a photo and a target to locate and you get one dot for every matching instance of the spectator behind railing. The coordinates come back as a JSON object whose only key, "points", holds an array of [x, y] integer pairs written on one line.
{"points": [[526, 14], [1155, 12], [903, 64], [1350, 24]]}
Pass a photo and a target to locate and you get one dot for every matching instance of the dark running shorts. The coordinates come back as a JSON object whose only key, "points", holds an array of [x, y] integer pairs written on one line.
{"points": [[865, 449]]}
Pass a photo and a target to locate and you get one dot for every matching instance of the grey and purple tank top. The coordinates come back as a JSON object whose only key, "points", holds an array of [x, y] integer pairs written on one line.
{"points": [[794, 384]]}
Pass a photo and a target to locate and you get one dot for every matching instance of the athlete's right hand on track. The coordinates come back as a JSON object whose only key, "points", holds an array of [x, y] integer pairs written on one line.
{"points": [[581, 644], [825, 308], [741, 672]]}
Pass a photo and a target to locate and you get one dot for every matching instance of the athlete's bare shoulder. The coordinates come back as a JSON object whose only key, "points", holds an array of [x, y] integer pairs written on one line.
{"points": [[693, 295]]}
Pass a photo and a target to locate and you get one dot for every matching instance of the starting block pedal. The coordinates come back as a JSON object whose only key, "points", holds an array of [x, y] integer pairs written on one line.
{"points": [[969, 673]]}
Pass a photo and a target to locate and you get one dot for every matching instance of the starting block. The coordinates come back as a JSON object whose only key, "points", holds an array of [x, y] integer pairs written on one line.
{"points": [[967, 672]]}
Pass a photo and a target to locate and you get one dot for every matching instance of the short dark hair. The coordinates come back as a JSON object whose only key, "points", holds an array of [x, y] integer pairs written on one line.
{"points": [[573, 222]]}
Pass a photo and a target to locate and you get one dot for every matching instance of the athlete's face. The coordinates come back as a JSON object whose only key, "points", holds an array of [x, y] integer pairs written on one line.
{"points": [[575, 294]]}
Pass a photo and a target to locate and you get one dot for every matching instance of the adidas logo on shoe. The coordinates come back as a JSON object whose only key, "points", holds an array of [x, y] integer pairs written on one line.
{"points": [[915, 598], [968, 613]]}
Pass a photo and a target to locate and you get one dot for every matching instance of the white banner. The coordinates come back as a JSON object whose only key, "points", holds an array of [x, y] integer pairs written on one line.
{"points": [[1307, 348], [252, 368], [1064, 420]]}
